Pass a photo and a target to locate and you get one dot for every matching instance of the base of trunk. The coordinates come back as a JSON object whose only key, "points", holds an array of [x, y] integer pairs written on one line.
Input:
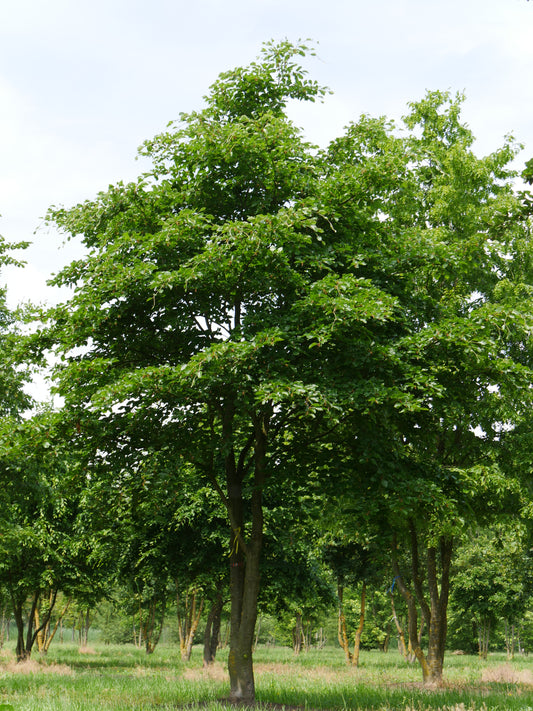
{"points": [[242, 685]]}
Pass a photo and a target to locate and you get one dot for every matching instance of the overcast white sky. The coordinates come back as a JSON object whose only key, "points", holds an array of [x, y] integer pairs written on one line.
{"points": [[84, 82]]}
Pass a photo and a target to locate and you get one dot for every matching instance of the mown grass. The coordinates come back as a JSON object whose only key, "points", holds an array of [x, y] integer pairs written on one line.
{"points": [[124, 678]]}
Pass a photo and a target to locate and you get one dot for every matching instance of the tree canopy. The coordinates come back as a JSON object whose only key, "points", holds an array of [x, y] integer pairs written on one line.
{"points": [[264, 315]]}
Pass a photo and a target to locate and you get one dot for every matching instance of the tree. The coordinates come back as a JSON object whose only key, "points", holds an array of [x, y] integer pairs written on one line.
{"points": [[493, 579], [351, 563], [191, 326], [41, 552], [464, 258], [251, 295]]}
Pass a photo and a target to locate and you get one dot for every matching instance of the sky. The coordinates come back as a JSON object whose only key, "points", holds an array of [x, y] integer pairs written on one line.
{"points": [[84, 82]]}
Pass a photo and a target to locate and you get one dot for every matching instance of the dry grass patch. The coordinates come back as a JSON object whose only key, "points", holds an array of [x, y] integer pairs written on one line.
{"points": [[214, 672], [324, 673], [505, 674], [87, 650], [30, 666]]}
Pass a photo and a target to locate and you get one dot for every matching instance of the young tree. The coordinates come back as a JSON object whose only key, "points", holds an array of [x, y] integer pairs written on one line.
{"points": [[493, 579], [41, 551]]}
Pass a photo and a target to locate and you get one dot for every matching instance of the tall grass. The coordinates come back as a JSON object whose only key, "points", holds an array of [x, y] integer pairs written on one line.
{"points": [[121, 677]]}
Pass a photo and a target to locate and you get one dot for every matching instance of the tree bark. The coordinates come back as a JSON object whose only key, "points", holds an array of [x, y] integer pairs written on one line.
{"points": [[402, 647], [359, 631], [438, 594], [189, 621], [297, 634], [435, 612], [212, 629], [412, 617], [342, 632], [483, 637], [52, 633], [245, 560]]}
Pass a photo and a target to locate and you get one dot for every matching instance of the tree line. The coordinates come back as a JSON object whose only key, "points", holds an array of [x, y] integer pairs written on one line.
{"points": [[273, 348]]}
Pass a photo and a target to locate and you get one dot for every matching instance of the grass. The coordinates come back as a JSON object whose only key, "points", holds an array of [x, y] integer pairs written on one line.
{"points": [[124, 678]]}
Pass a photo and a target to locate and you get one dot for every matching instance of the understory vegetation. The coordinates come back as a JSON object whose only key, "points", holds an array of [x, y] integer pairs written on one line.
{"points": [[124, 678]]}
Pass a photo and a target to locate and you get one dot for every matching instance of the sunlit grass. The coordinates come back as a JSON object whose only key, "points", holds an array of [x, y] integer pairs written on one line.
{"points": [[121, 677]]}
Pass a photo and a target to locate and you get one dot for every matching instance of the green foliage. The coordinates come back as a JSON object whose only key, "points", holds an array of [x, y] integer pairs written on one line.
{"points": [[257, 318], [494, 574]]}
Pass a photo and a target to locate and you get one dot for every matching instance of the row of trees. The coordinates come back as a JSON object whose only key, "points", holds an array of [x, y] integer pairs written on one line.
{"points": [[292, 342]]}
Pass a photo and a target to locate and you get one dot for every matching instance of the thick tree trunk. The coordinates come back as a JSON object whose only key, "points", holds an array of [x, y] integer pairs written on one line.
{"points": [[438, 594], [245, 561], [243, 617], [19, 621]]}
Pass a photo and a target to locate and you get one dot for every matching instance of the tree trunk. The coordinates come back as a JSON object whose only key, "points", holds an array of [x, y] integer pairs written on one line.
{"points": [[297, 634], [189, 620], [402, 647], [212, 629], [51, 634], [434, 613], [147, 625], [19, 621], [510, 638], [342, 632], [85, 624], [3, 627], [438, 594], [483, 637], [359, 631], [244, 558]]}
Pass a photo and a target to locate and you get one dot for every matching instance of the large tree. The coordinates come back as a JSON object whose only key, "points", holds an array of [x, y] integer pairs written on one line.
{"points": [[190, 326], [251, 297]]}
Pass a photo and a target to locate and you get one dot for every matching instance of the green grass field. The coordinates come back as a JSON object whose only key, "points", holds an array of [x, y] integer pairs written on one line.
{"points": [[121, 677]]}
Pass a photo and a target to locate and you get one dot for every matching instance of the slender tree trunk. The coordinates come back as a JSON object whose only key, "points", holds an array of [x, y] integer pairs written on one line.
{"points": [[85, 624], [40, 634], [342, 632], [212, 629], [402, 647], [412, 618], [297, 634], [510, 639], [51, 634], [188, 620], [359, 631], [31, 620], [3, 627], [483, 637], [434, 613], [147, 625]]}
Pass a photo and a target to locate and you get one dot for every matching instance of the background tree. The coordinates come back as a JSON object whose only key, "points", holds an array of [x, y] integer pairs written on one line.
{"points": [[41, 552]]}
